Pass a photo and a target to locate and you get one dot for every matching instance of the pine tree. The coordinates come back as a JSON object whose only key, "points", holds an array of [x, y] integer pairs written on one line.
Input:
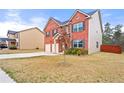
{"points": [[107, 34], [117, 33]]}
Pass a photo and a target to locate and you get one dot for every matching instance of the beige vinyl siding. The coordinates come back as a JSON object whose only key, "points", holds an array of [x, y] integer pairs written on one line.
{"points": [[31, 39], [10, 36]]}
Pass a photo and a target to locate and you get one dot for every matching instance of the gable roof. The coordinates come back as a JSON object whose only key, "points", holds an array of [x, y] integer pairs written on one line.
{"points": [[79, 12], [14, 32], [11, 32], [61, 23], [92, 12], [55, 20], [58, 22], [67, 21], [31, 29]]}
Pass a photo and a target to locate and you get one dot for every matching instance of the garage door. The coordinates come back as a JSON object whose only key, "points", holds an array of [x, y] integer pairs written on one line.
{"points": [[55, 48], [47, 48]]}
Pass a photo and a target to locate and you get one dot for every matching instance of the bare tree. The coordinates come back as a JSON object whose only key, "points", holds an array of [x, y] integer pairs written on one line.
{"points": [[65, 40]]}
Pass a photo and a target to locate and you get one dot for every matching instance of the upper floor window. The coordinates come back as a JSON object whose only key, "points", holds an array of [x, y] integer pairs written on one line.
{"points": [[78, 44], [47, 34], [78, 27], [54, 32]]}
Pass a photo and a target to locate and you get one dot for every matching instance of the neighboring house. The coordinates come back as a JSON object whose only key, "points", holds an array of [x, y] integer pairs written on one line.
{"points": [[7, 42], [84, 30], [11, 35], [3, 42], [32, 38]]}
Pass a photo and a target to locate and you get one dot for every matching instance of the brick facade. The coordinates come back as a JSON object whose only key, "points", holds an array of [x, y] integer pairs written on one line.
{"points": [[67, 27]]}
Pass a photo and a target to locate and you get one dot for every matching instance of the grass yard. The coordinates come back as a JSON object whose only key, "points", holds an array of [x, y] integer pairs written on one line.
{"points": [[7, 51], [100, 67]]}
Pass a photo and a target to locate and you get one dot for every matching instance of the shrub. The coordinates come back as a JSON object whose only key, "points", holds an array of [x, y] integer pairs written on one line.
{"points": [[13, 47], [84, 51], [76, 51], [79, 52]]}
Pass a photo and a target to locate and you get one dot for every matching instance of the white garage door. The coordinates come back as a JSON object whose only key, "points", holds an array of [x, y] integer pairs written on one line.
{"points": [[55, 48], [47, 48]]}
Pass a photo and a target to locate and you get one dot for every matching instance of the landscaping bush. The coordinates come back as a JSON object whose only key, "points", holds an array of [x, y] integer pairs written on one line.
{"points": [[13, 47], [76, 51]]}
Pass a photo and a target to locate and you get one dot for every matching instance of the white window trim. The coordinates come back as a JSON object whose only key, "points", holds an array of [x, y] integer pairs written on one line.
{"points": [[77, 26], [83, 42]]}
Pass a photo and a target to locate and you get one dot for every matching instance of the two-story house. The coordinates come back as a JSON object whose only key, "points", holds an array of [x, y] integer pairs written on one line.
{"points": [[83, 30], [12, 36], [32, 38]]}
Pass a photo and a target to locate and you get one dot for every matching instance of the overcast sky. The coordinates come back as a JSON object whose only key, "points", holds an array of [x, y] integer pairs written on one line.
{"points": [[22, 19]]}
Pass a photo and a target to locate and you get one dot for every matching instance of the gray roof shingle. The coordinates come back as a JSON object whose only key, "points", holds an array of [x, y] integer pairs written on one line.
{"points": [[64, 22], [92, 12], [11, 32]]}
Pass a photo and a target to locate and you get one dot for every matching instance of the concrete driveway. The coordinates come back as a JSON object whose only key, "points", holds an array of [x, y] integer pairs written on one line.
{"points": [[25, 55], [4, 78]]}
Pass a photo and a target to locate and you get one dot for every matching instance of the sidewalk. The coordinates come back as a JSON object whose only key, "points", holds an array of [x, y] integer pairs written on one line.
{"points": [[25, 55], [4, 78]]}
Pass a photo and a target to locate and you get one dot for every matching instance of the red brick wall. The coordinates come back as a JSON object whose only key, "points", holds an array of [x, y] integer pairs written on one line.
{"points": [[83, 35], [111, 49], [50, 26]]}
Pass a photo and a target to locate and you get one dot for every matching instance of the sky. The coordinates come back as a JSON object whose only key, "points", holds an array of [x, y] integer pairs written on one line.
{"points": [[20, 19]]}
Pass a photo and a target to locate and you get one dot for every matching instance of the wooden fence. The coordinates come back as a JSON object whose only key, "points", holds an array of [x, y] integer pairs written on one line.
{"points": [[111, 48]]}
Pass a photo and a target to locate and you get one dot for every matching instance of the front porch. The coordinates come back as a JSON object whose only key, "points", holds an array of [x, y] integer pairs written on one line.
{"points": [[11, 42]]}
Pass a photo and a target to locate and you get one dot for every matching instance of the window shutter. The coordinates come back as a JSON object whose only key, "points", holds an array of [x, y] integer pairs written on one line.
{"points": [[83, 25]]}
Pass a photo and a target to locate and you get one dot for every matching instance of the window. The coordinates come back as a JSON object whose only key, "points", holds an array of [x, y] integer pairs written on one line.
{"points": [[47, 34], [54, 32], [78, 27], [74, 28], [78, 44], [97, 44]]}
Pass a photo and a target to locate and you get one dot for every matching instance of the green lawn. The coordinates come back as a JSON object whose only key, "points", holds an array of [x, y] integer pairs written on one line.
{"points": [[99, 67]]}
